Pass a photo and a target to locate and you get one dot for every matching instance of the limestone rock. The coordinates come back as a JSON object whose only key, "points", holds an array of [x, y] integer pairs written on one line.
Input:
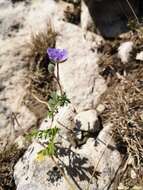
{"points": [[86, 86], [100, 108], [78, 165], [88, 121], [124, 51], [103, 149], [17, 23], [139, 56], [83, 85]]}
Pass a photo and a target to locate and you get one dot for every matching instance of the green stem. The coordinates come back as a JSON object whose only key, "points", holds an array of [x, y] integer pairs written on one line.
{"points": [[61, 91], [57, 71]]}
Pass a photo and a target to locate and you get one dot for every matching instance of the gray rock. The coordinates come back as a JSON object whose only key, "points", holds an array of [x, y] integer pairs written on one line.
{"points": [[108, 17]]}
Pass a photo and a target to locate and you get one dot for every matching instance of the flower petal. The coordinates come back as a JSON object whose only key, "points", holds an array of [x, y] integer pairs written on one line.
{"points": [[57, 55]]}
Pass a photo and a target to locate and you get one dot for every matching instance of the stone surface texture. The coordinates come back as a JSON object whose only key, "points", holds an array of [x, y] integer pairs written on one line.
{"points": [[78, 165], [125, 50], [139, 56], [87, 120], [86, 86]]}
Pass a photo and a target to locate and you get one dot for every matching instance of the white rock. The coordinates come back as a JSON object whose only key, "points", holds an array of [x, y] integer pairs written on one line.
{"points": [[12, 73], [81, 81], [79, 75], [30, 173], [124, 51], [16, 23], [87, 121], [86, 19], [64, 120], [139, 56], [122, 187], [12, 19], [100, 108], [133, 174], [40, 14], [26, 166], [109, 157]]}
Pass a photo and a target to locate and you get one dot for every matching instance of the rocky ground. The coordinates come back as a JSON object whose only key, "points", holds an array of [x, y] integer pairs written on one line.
{"points": [[103, 80]]}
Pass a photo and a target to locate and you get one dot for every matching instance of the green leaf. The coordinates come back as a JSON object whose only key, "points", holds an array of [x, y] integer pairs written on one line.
{"points": [[63, 100], [46, 134], [56, 101], [51, 149]]}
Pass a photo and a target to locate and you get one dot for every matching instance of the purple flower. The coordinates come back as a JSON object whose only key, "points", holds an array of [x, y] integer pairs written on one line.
{"points": [[57, 55]]}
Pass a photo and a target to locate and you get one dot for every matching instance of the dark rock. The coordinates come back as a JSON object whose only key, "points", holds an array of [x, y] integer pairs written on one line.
{"points": [[111, 16]]}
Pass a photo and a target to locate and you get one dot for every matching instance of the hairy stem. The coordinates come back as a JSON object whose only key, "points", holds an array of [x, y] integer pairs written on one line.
{"points": [[61, 91]]}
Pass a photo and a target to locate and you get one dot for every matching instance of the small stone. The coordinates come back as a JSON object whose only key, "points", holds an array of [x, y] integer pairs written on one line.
{"points": [[100, 108], [122, 187], [139, 56], [136, 187], [133, 174], [124, 51], [87, 121]]}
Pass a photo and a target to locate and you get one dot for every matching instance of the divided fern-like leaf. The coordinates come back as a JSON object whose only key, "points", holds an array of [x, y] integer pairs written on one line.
{"points": [[55, 102]]}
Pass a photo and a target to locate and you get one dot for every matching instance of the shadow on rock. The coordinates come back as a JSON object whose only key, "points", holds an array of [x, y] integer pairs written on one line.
{"points": [[77, 167]]}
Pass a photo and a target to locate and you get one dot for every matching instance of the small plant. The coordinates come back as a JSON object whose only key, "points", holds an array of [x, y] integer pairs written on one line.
{"points": [[55, 101], [48, 135]]}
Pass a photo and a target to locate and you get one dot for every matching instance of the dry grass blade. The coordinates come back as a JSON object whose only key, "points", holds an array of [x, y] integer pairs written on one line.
{"points": [[124, 108], [40, 81], [8, 159], [41, 41], [124, 104]]}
